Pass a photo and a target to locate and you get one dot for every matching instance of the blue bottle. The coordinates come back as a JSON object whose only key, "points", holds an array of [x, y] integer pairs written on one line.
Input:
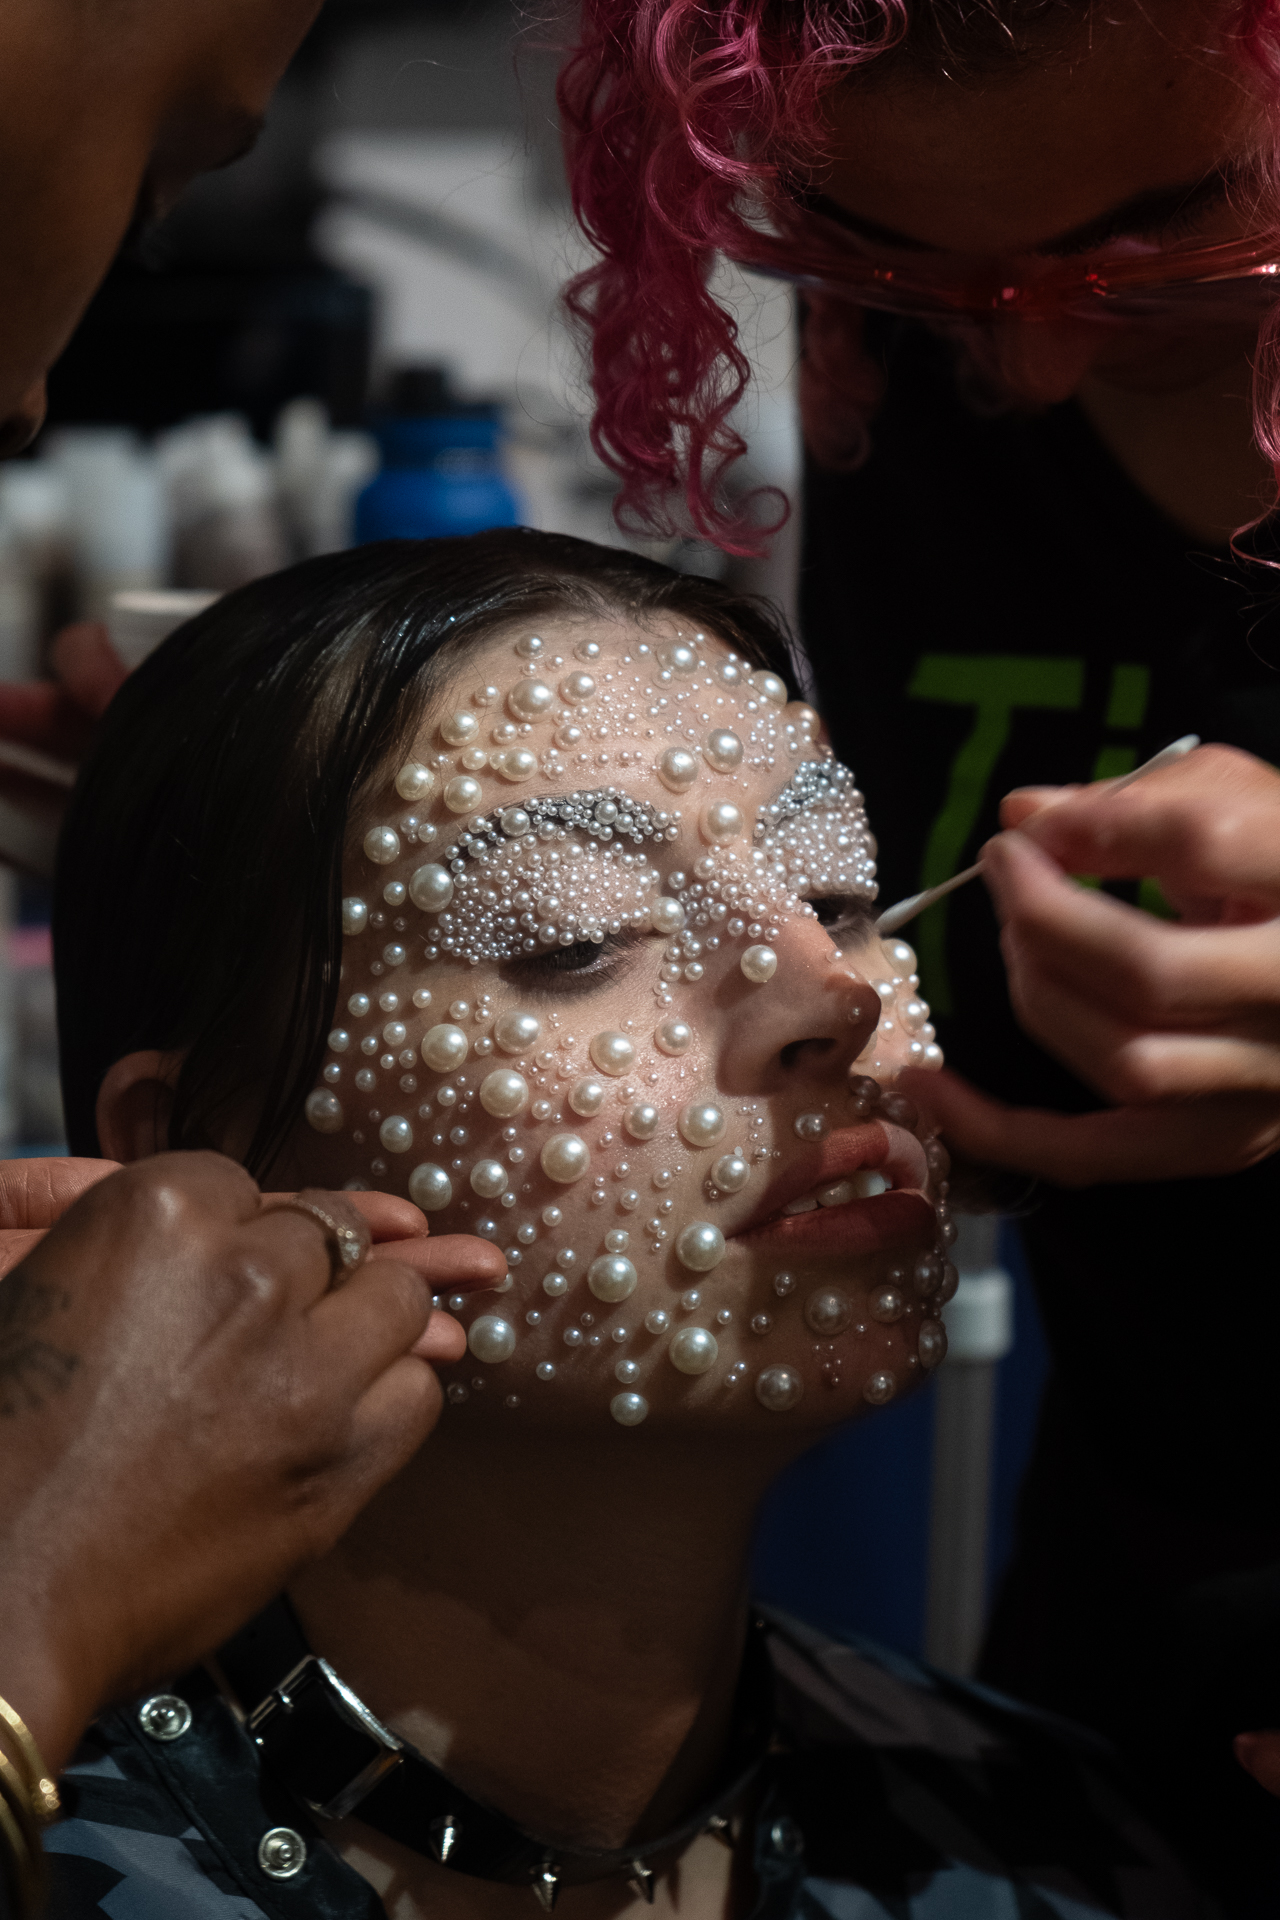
{"points": [[440, 475]]}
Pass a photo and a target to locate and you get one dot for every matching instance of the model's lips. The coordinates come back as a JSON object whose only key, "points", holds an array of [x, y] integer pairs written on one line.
{"points": [[855, 1192]]}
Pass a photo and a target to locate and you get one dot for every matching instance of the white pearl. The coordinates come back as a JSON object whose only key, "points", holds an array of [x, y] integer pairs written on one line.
{"points": [[666, 916], [693, 1350], [431, 888], [396, 1134], [577, 687], [629, 1409], [339, 1040], [700, 1247], [879, 1388], [565, 1158], [612, 1277], [626, 1371], [828, 1312], [381, 844], [657, 1321], [931, 1344], [504, 1092], [642, 1122], [778, 1388], [887, 1305], [722, 750], [462, 795], [488, 1179], [517, 1032], [458, 730], [771, 687], [444, 1048], [430, 1187], [530, 647], [355, 916], [514, 764], [324, 1111], [759, 964], [731, 1173], [720, 822], [587, 1097], [613, 1053], [673, 1036], [900, 956], [913, 1014], [393, 893], [677, 769], [514, 821], [491, 1338], [530, 699], [812, 1126], [555, 1285], [678, 656], [701, 1123], [414, 781], [358, 1004]]}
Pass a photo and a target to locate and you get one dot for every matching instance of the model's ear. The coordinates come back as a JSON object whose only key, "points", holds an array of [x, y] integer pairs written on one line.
{"points": [[134, 1104]]}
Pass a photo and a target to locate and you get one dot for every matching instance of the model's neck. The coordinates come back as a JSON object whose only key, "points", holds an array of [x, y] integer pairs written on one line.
{"points": [[556, 1621]]}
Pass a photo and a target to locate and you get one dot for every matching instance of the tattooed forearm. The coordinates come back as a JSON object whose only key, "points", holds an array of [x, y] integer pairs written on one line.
{"points": [[32, 1369]]}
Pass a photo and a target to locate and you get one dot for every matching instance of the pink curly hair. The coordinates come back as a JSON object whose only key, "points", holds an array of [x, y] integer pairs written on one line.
{"points": [[682, 119]]}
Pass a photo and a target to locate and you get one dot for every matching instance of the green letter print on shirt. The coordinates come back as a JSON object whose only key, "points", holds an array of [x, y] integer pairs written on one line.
{"points": [[993, 685]]}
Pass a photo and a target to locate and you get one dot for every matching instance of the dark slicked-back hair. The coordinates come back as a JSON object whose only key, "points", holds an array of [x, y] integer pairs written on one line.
{"points": [[198, 895]]}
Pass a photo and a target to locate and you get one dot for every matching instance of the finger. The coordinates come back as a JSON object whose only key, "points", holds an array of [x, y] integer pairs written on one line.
{"points": [[1205, 826], [1149, 971], [1019, 804], [36, 1193], [376, 1318], [15, 1246], [88, 666], [444, 1340], [390, 1423], [453, 1263], [1259, 1754], [1183, 1140], [389, 1217]]}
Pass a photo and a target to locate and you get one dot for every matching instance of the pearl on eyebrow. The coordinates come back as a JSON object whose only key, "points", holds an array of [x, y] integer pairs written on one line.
{"points": [[759, 964], [457, 730]]}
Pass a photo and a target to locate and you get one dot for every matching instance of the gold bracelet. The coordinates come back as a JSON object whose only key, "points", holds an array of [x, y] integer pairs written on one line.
{"points": [[20, 1840], [41, 1788]]}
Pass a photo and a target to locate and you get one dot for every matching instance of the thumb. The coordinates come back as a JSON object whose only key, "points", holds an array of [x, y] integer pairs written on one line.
{"points": [[36, 1193]]}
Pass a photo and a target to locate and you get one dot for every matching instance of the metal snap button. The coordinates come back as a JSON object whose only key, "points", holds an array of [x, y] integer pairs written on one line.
{"points": [[282, 1853], [165, 1716], [786, 1837]]}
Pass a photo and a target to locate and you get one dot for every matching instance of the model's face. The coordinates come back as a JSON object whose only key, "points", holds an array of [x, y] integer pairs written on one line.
{"points": [[611, 959], [1141, 128], [105, 111]]}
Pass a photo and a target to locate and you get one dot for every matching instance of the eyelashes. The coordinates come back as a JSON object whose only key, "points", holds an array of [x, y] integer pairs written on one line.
{"points": [[586, 963]]}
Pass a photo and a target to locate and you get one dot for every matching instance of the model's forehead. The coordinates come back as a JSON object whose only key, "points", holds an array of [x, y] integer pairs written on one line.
{"points": [[663, 709]]}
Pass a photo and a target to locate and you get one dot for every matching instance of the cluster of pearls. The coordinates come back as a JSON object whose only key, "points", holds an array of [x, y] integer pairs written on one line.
{"points": [[529, 874]]}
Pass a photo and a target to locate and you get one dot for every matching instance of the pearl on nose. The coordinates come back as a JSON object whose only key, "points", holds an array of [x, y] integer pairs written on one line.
{"points": [[759, 964]]}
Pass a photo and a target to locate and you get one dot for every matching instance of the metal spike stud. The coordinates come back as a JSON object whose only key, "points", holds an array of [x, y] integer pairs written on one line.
{"points": [[546, 1886], [641, 1880], [720, 1825], [442, 1837]]}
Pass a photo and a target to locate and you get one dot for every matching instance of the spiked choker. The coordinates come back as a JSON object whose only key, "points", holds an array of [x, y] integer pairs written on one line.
{"points": [[318, 1739]]}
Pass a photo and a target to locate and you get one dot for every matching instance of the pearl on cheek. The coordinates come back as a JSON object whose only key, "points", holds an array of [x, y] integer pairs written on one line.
{"points": [[444, 1048], [701, 1124], [779, 1388], [491, 1338], [504, 1092], [693, 1350], [517, 1032], [700, 1247], [587, 1097], [355, 916], [565, 1158], [430, 1187], [613, 1053]]}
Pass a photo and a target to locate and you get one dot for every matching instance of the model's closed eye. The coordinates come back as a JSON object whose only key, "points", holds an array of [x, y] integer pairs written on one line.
{"points": [[585, 963]]}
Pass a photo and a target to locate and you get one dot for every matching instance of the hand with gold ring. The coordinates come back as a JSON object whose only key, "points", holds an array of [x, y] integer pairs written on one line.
{"points": [[200, 1386]]}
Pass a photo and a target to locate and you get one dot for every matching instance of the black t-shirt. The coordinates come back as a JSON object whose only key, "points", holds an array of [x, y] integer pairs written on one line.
{"points": [[988, 603]]}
